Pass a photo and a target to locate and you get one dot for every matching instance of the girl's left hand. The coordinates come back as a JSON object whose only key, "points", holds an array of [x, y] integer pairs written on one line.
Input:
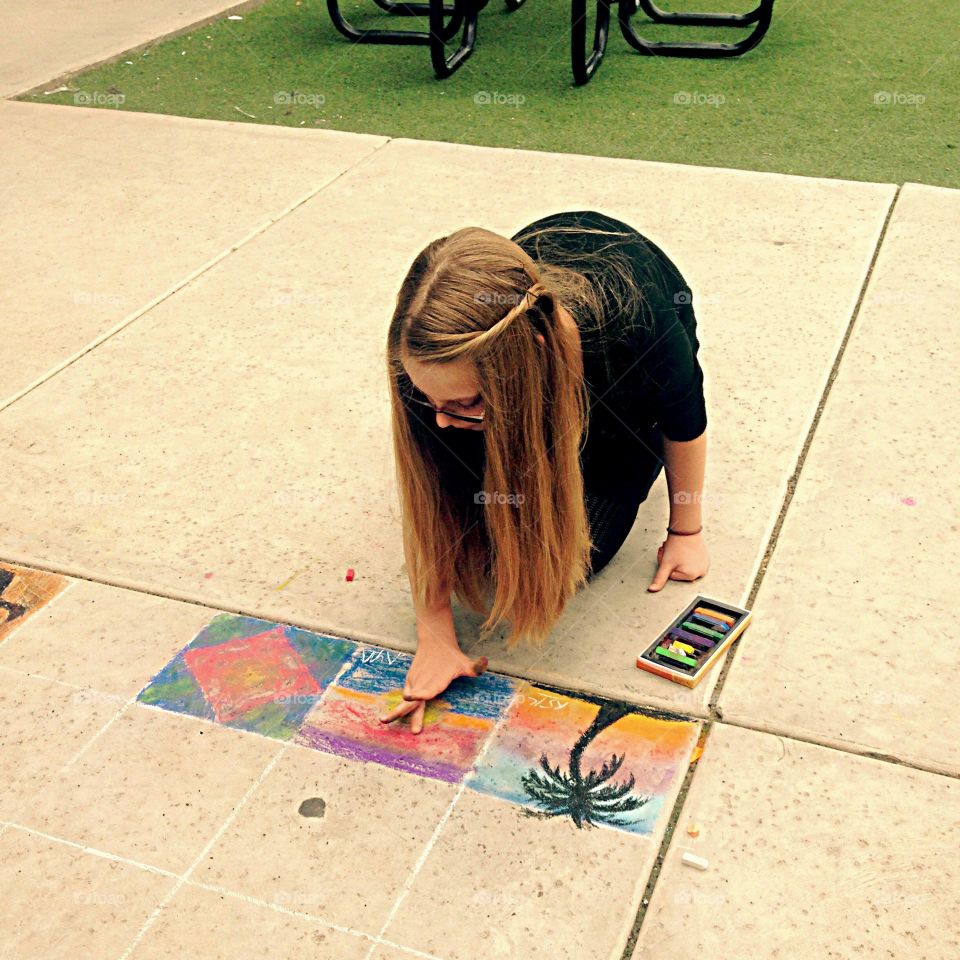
{"points": [[680, 558]]}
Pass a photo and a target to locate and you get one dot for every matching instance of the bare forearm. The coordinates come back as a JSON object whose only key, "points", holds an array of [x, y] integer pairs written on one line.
{"points": [[435, 623], [684, 463]]}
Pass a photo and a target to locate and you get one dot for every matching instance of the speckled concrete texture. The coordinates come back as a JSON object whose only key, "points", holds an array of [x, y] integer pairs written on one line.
{"points": [[522, 885], [194, 421], [60, 902], [853, 642], [44, 725], [221, 926], [346, 866], [233, 485], [287, 845], [150, 786], [77, 639], [812, 852], [127, 207], [42, 41]]}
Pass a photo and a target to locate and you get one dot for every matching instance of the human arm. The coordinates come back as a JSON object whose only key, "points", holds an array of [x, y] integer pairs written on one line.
{"points": [[437, 662], [683, 557]]}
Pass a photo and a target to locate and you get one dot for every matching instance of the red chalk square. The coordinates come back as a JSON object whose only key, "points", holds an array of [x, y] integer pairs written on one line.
{"points": [[241, 674]]}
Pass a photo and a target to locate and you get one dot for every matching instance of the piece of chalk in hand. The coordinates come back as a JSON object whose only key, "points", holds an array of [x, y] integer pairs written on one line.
{"points": [[692, 860]]}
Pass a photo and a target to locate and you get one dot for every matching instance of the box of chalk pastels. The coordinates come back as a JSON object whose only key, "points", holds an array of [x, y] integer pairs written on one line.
{"points": [[688, 647]]}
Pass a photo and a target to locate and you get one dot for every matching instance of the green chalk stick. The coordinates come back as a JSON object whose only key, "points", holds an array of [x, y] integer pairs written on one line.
{"points": [[679, 657], [703, 631]]}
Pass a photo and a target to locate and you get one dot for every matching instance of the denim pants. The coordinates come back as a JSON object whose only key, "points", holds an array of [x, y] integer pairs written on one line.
{"points": [[610, 521]]}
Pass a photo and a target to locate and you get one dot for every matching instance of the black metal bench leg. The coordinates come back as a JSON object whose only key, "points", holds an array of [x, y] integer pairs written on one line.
{"points": [[584, 65], [443, 65], [418, 37], [761, 16]]}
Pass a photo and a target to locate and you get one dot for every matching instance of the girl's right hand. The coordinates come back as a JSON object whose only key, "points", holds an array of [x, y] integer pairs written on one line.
{"points": [[435, 666]]}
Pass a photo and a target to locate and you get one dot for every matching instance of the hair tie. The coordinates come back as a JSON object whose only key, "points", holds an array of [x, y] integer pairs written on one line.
{"points": [[529, 300]]}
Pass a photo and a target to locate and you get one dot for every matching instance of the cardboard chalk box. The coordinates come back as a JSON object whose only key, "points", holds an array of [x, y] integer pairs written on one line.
{"points": [[693, 642]]}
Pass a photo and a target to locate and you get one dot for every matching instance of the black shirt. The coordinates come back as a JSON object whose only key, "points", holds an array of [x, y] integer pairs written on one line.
{"points": [[640, 362]]}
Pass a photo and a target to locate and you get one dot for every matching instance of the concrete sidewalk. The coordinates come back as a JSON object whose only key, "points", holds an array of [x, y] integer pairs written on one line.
{"points": [[193, 433]]}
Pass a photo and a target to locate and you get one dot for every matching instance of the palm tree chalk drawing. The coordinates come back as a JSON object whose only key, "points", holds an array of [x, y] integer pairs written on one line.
{"points": [[621, 762], [596, 762]]}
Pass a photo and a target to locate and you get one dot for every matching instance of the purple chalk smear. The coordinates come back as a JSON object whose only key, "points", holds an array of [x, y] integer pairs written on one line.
{"points": [[367, 752]]}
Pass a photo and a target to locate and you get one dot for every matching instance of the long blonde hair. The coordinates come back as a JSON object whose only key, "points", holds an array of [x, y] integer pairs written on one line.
{"points": [[513, 543]]}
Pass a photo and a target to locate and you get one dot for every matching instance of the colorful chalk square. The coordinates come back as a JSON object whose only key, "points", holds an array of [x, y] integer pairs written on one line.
{"points": [[598, 764], [249, 673], [23, 591], [455, 724]]}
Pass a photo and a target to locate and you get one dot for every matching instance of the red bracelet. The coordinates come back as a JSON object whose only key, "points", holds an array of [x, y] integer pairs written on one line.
{"points": [[677, 533]]}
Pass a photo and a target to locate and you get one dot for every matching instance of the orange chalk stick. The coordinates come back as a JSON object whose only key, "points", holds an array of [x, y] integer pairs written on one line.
{"points": [[706, 611]]}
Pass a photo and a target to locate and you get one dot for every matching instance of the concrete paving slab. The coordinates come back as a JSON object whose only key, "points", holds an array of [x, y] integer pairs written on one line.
{"points": [[276, 829], [522, 886], [151, 787], [61, 902], [257, 468], [43, 725], [43, 42], [134, 635], [346, 864], [199, 922], [848, 647], [811, 852], [103, 213]]}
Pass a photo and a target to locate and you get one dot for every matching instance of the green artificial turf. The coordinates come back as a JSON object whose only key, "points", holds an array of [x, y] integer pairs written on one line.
{"points": [[803, 102]]}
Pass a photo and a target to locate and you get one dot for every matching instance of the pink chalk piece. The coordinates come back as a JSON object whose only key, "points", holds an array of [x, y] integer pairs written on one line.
{"points": [[207, 576], [909, 501], [349, 573]]}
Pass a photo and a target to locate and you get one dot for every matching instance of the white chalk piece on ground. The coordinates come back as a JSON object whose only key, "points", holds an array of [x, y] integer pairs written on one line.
{"points": [[692, 860]]}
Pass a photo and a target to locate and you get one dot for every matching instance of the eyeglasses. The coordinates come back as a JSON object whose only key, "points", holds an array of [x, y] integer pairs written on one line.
{"points": [[455, 416]]}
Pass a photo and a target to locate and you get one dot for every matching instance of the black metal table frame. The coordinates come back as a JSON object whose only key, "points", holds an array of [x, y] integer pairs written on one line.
{"points": [[466, 12], [463, 12], [585, 65]]}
